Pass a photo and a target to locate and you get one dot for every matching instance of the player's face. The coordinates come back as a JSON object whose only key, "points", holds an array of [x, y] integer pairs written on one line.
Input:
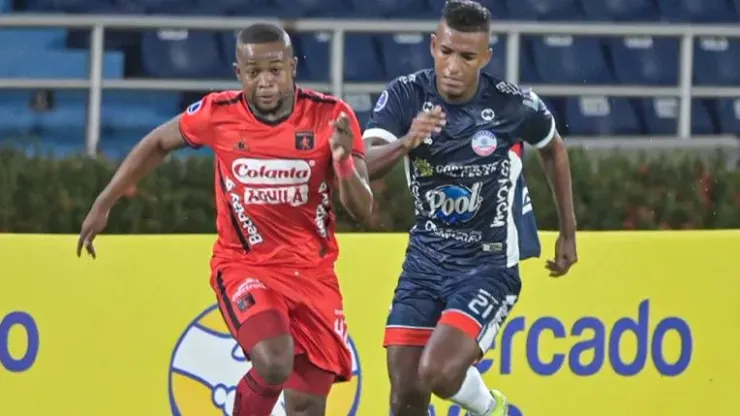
{"points": [[458, 59], [266, 72]]}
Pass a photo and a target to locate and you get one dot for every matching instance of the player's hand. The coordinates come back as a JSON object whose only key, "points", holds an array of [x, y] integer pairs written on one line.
{"points": [[94, 223], [565, 256], [342, 139], [424, 125]]}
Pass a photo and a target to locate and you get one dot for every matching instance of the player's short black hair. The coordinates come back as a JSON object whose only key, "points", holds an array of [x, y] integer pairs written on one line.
{"points": [[466, 16], [261, 33]]}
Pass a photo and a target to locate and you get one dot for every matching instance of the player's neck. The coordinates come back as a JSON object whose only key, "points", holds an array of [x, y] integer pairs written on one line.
{"points": [[461, 99], [281, 113]]}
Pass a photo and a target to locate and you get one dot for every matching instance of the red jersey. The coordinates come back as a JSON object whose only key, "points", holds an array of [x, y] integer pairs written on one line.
{"points": [[272, 179]]}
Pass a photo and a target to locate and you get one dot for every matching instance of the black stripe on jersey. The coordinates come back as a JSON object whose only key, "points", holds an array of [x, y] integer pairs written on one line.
{"points": [[234, 220], [316, 97], [230, 101], [227, 302]]}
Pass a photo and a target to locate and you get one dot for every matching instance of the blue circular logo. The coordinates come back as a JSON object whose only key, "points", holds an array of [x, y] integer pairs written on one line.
{"points": [[382, 101]]}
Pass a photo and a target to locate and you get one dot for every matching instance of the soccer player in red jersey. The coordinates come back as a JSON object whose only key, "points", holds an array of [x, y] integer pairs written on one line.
{"points": [[278, 150]]}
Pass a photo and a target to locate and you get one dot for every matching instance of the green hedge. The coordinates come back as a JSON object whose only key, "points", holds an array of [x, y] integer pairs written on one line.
{"points": [[47, 195]]}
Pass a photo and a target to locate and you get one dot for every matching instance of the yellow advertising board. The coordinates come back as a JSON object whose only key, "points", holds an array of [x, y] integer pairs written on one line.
{"points": [[644, 325]]}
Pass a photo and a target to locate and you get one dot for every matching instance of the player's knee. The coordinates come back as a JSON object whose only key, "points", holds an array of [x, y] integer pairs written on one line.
{"points": [[442, 377], [409, 399], [304, 404], [273, 359]]}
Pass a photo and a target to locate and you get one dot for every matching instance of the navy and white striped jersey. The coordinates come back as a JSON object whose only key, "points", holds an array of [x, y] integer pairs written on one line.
{"points": [[466, 181]]}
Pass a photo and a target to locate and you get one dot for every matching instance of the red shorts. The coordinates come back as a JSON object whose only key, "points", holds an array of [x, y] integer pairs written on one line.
{"points": [[311, 304]]}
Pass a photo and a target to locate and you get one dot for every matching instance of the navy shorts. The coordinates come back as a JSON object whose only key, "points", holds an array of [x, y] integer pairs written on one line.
{"points": [[476, 302]]}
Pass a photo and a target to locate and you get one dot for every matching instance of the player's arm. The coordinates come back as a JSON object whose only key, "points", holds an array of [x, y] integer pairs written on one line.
{"points": [[181, 131], [393, 131], [540, 131], [348, 153]]}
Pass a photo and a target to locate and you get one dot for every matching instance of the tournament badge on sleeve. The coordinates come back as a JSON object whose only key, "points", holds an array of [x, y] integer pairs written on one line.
{"points": [[207, 363]]}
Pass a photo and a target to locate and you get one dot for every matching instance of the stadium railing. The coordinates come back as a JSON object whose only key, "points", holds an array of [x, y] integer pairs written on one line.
{"points": [[685, 91]]}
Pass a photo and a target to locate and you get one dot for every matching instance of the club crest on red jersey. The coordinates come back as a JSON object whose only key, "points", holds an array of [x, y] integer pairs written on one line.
{"points": [[304, 140]]}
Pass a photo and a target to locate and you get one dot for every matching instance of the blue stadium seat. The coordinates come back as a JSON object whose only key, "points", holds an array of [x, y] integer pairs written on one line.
{"points": [[33, 38], [593, 116], [22, 63], [700, 11], [5, 6], [621, 10], [645, 60], [240, 7], [138, 110], [570, 60], [497, 8], [544, 10], [405, 53], [661, 116], [389, 8], [314, 7], [361, 58], [182, 54], [363, 106], [717, 61], [497, 65], [72, 6], [728, 110], [15, 118]]}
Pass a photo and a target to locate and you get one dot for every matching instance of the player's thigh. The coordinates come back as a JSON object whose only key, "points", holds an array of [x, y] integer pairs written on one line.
{"points": [[476, 307], [307, 388], [258, 319], [415, 310]]}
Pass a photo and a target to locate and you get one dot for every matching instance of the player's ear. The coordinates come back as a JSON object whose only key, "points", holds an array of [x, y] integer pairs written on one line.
{"points": [[294, 66], [487, 57], [236, 71], [432, 43]]}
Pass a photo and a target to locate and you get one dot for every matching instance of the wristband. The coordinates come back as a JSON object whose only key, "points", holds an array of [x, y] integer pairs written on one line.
{"points": [[344, 168]]}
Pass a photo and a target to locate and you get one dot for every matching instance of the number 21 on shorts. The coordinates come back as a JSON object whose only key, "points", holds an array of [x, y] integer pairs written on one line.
{"points": [[484, 303]]}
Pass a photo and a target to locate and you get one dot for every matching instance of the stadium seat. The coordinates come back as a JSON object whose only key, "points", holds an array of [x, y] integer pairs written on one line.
{"points": [[5, 6], [314, 7], [21, 63], [570, 60], [728, 110], [699, 11], [361, 58], [182, 54], [621, 10], [389, 8], [645, 60], [661, 116], [363, 106], [717, 61], [405, 53], [497, 8], [568, 10], [72, 6], [138, 110], [15, 119], [33, 38], [497, 65], [594, 116]]}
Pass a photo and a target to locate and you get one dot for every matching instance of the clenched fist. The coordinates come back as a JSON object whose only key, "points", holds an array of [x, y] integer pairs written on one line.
{"points": [[424, 125]]}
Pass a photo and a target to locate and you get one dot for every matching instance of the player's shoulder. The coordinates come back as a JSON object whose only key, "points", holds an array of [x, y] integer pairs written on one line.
{"points": [[511, 93], [319, 101], [406, 88], [215, 101]]}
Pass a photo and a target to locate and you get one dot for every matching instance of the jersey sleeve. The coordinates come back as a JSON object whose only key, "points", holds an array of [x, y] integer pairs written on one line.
{"points": [[358, 146], [195, 125], [539, 125], [393, 112]]}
